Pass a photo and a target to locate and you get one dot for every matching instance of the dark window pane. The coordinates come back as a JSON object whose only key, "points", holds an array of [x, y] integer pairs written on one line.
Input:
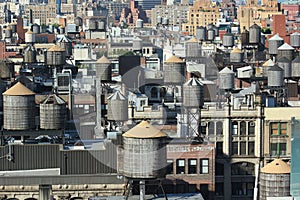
{"points": [[180, 166], [251, 148], [243, 148], [242, 128], [192, 167], [235, 148]]}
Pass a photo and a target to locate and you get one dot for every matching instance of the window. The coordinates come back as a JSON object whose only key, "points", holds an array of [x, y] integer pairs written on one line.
{"points": [[154, 92], [235, 148], [219, 148], [142, 102], [234, 128], [204, 166], [169, 167], [242, 128], [278, 149], [278, 128], [219, 170], [180, 166], [192, 166], [251, 126], [211, 128], [219, 189], [250, 148], [242, 148], [219, 128]]}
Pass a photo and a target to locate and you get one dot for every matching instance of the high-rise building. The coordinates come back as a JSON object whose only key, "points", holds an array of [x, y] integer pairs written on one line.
{"points": [[148, 5]]}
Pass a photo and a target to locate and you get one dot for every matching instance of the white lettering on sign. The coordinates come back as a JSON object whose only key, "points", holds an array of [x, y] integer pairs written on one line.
{"points": [[189, 148]]}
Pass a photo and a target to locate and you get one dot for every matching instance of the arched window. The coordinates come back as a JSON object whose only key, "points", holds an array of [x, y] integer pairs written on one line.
{"points": [[234, 128], [211, 128], [251, 128], [219, 128], [242, 168], [154, 92]]}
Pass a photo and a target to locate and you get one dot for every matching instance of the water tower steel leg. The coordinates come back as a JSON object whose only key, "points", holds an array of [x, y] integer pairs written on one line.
{"points": [[142, 189]]}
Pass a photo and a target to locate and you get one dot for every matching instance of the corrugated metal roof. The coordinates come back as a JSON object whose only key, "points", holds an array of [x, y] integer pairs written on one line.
{"points": [[18, 90], [64, 39], [295, 33], [193, 82], [276, 37], [236, 50], [283, 60], [55, 48], [275, 68], [268, 63], [117, 96], [286, 46], [174, 59], [103, 60], [144, 130], [277, 166], [29, 32], [53, 99]]}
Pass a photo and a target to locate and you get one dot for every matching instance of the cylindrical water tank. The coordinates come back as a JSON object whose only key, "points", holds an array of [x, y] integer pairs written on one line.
{"points": [[226, 79], [19, 108], [274, 43], [275, 180], [29, 37], [216, 29], [139, 23], [144, 152], [137, 44], [295, 40], [117, 107], [263, 39], [275, 76], [36, 28], [159, 20], [165, 21], [236, 55], [101, 25], [296, 67], [201, 33], [267, 65], [8, 32], [192, 48], [6, 69], [193, 96], [254, 34], [55, 56], [52, 113], [29, 54], [174, 70], [78, 21], [228, 40], [287, 51], [93, 25], [210, 34], [286, 65], [103, 69], [245, 38]]}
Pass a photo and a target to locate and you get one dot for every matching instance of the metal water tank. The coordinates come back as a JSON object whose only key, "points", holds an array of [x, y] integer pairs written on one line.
{"points": [[245, 38], [65, 43], [274, 43], [6, 69], [267, 65], [201, 33], [236, 55], [216, 29], [174, 70], [29, 37], [296, 67], [275, 180], [139, 23], [8, 32], [159, 20], [286, 65], [55, 56], [53, 113], [13, 27], [78, 21], [263, 39], [226, 79], [117, 107], [228, 40], [295, 40], [93, 25], [137, 44], [254, 34], [275, 76], [287, 51], [101, 25], [193, 96], [29, 54], [192, 48], [144, 152], [36, 28], [103, 69], [18, 108], [210, 34]]}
